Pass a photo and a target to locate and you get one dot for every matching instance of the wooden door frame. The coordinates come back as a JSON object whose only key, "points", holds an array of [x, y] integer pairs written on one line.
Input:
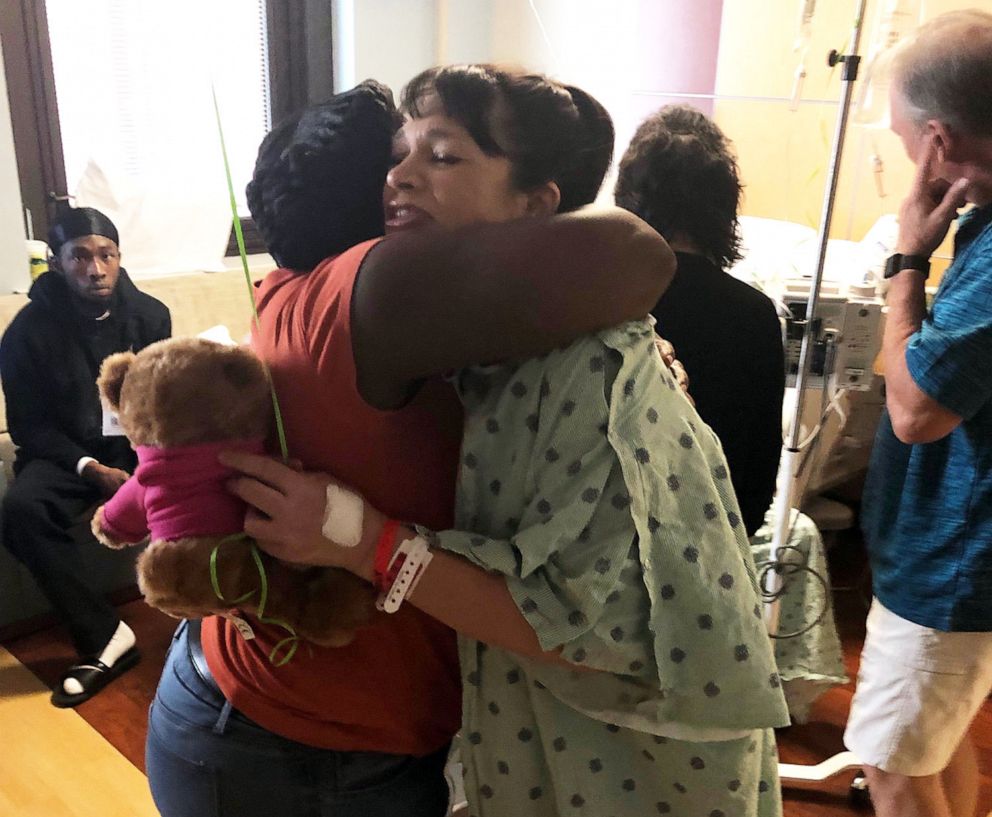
{"points": [[34, 116]]}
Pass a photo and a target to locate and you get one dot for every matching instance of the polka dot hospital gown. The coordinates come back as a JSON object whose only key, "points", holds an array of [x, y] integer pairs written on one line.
{"points": [[589, 481]]}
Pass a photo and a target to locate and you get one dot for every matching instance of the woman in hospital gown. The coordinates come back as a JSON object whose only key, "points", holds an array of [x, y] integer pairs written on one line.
{"points": [[590, 483]]}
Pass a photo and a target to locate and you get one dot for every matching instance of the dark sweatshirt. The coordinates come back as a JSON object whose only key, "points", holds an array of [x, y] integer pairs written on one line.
{"points": [[728, 337], [50, 357]]}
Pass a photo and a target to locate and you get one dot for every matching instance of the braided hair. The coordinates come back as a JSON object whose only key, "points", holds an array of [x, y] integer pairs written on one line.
{"points": [[317, 185]]}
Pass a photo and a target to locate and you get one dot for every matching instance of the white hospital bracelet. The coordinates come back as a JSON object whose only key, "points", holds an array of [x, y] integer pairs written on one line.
{"points": [[410, 560], [343, 516]]}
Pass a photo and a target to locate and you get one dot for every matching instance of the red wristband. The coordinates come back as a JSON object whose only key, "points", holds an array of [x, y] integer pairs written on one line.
{"points": [[384, 553]]}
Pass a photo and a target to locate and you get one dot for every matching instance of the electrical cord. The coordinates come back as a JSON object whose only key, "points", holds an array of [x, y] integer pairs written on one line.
{"points": [[788, 569]]}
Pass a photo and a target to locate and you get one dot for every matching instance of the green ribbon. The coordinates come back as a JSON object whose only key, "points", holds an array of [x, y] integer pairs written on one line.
{"points": [[239, 236], [290, 642], [215, 581]]}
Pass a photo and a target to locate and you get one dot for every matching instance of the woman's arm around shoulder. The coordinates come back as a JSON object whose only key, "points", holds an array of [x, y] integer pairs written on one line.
{"points": [[434, 300]]}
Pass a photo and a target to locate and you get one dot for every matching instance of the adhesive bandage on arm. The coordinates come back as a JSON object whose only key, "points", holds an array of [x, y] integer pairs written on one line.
{"points": [[344, 513]]}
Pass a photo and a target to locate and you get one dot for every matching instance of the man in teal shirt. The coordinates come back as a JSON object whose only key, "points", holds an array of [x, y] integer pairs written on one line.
{"points": [[927, 660]]}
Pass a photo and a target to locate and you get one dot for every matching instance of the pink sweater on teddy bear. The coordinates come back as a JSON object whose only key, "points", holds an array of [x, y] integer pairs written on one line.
{"points": [[177, 492]]}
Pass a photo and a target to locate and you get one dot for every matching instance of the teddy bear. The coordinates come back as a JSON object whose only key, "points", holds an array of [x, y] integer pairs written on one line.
{"points": [[180, 402]]}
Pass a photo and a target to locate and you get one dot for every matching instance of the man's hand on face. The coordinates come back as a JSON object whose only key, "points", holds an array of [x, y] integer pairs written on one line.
{"points": [[928, 210], [107, 479]]}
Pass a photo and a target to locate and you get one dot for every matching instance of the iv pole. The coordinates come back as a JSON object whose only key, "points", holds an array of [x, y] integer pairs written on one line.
{"points": [[791, 453]]}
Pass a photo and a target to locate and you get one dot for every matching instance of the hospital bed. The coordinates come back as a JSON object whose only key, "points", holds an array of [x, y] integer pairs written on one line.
{"points": [[845, 391]]}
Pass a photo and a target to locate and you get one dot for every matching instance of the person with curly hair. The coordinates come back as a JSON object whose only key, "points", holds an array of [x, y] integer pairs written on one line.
{"points": [[680, 175]]}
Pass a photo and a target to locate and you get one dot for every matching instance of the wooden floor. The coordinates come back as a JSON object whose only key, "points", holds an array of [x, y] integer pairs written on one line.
{"points": [[119, 712], [35, 778], [822, 737]]}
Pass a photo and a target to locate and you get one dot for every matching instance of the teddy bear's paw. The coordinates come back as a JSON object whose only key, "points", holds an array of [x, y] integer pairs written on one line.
{"points": [[336, 604], [329, 637], [175, 577], [101, 535], [177, 606]]}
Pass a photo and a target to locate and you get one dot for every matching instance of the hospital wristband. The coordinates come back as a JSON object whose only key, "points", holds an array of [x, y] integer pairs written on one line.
{"points": [[404, 571], [384, 548]]}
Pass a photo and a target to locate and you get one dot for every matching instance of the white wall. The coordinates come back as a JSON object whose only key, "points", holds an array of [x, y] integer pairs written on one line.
{"points": [[387, 40], [587, 43], [13, 255], [464, 30], [607, 47], [583, 42]]}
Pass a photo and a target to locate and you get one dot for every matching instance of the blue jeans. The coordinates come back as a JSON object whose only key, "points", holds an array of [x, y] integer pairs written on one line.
{"points": [[205, 759]]}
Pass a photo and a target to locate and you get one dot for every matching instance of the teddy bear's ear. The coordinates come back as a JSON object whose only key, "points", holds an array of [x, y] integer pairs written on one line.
{"points": [[111, 377], [241, 368]]}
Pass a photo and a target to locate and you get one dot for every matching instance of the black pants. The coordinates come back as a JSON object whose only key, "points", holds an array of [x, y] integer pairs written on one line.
{"points": [[39, 508]]}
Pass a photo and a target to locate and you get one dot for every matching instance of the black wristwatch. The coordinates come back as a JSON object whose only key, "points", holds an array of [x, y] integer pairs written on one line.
{"points": [[898, 262]]}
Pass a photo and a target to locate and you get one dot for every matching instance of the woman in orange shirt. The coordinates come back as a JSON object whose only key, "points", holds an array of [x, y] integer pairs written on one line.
{"points": [[363, 730]]}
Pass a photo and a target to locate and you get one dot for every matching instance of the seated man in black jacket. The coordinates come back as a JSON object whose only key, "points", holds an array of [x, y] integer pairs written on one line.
{"points": [[83, 310], [679, 174]]}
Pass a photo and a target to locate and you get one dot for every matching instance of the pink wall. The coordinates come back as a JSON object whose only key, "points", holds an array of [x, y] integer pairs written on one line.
{"points": [[677, 44]]}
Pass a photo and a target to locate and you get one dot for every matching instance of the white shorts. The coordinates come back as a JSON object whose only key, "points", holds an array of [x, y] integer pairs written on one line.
{"points": [[918, 691]]}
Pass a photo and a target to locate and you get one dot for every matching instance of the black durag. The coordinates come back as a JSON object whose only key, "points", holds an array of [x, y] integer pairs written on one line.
{"points": [[79, 222]]}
